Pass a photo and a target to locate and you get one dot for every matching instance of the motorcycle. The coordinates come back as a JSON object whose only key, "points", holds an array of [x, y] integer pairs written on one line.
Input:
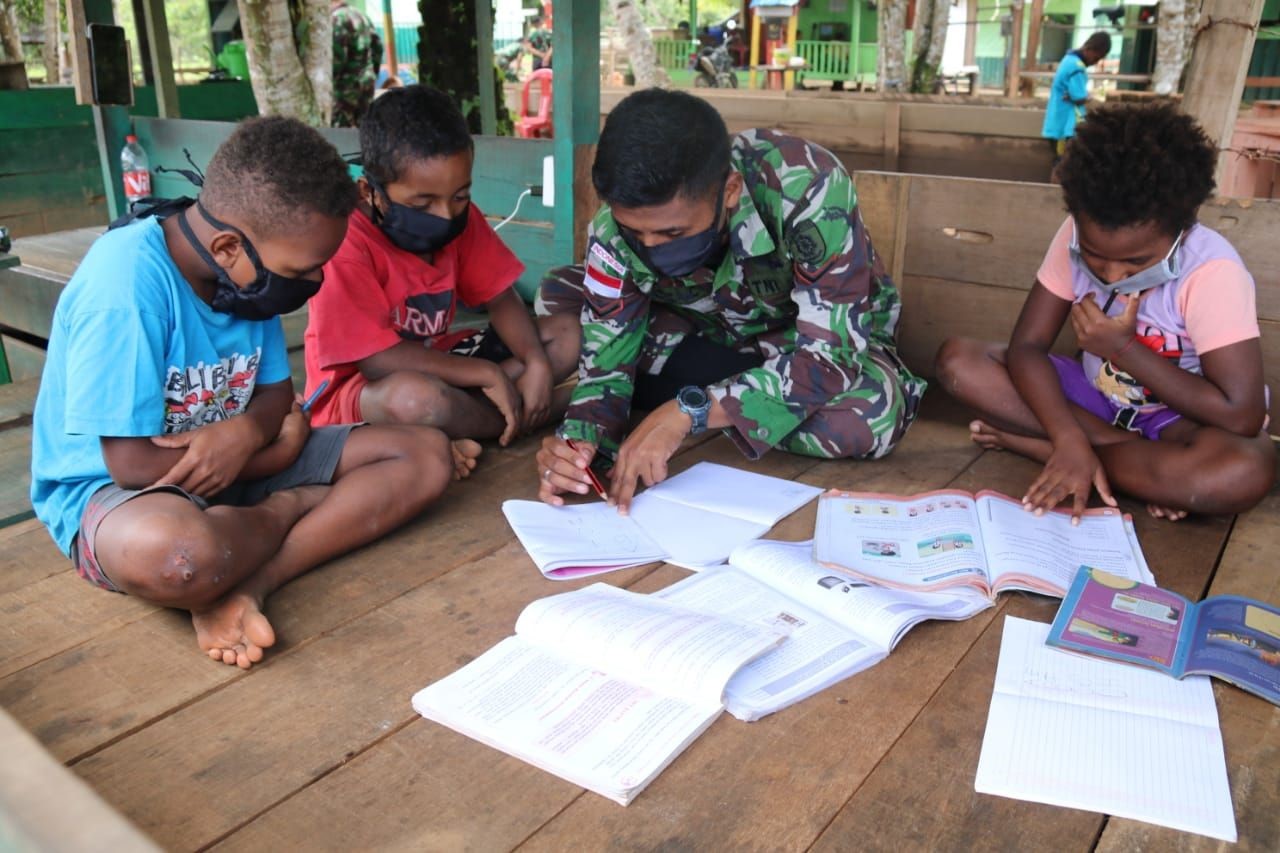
{"points": [[715, 68]]}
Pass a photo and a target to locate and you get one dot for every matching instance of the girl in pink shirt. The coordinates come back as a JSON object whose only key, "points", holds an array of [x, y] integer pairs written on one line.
{"points": [[1166, 400]]}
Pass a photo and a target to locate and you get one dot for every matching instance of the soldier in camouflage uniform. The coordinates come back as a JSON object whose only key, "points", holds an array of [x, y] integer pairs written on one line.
{"points": [[790, 310], [357, 53], [538, 43]]}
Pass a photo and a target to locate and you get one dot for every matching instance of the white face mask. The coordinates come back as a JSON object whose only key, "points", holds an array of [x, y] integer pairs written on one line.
{"points": [[1166, 269]]}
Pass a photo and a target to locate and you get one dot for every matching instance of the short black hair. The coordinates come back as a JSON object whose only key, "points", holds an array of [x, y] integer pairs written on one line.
{"points": [[1134, 163], [272, 172], [1099, 42], [410, 123], [657, 144]]}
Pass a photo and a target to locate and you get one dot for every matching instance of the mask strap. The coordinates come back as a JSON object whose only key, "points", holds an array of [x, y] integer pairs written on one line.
{"points": [[187, 232], [223, 226], [376, 215]]}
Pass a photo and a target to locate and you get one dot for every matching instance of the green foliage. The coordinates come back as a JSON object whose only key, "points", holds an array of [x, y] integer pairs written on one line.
{"points": [[189, 41], [665, 14], [447, 59]]}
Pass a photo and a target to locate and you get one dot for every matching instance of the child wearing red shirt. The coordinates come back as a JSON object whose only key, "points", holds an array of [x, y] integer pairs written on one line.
{"points": [[416, 246]]}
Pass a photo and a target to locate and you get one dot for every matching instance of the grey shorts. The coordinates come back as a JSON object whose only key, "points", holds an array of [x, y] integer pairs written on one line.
{"points": [[314, 466]]}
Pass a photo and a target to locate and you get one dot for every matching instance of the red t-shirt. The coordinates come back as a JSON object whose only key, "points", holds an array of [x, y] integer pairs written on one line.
{"points": [[376, 295]]}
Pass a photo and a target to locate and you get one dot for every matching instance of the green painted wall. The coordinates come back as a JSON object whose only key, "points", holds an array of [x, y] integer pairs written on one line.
{"points": [[51, 178]]}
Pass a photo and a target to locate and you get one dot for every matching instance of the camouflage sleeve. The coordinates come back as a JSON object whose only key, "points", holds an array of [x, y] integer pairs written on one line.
{"points": [[827, 246], [344, 39], [615, 318]]}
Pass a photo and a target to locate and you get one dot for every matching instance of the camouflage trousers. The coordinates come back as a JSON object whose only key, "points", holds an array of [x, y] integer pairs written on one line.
{"points": [[864, 421], [350, 106]]}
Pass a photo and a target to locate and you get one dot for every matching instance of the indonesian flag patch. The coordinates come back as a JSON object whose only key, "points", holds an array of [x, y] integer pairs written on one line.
{"points": [[604, 272]]}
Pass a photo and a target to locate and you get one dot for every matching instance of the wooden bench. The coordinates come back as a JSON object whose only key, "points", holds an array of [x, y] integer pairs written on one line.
{"points": [[318, 747]]}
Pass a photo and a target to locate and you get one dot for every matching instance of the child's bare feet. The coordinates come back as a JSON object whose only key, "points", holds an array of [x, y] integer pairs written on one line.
{"points": [[989, 438], [465, 453], [234, 630], [1165, 512]]}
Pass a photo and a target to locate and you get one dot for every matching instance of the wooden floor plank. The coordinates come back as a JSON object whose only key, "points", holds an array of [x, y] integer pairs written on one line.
{"points": [[15, 471], [666, 807], [317, 708], [18, 401], [1249, 724], [60, 688], [28, 555], [921, 794]]}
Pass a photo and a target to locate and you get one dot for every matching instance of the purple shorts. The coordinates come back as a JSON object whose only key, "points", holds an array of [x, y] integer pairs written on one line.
{"points": [[1079, 390]]}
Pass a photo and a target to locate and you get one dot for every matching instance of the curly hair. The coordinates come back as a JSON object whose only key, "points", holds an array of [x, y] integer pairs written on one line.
{"points": [[272, 173], [657, 144], [411, 123], [1134, 163]]}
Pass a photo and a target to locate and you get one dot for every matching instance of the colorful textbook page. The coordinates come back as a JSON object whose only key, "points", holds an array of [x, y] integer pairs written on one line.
{"points": [[985, 541], [1235, 639]]}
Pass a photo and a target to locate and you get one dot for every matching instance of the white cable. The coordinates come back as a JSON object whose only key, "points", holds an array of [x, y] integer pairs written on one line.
{"points": [[515, 209]]}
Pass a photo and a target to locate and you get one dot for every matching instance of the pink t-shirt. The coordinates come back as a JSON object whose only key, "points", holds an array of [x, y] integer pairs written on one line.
{"points": [[1210, 305]]}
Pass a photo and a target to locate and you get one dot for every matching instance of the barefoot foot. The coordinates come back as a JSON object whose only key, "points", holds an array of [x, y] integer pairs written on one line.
{"points": [[234, 630], [1166, 513], [465, 453], [989, 438]]}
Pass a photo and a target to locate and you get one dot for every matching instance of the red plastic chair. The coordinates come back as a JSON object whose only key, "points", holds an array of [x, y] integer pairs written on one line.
{"points": [[532, 126]]}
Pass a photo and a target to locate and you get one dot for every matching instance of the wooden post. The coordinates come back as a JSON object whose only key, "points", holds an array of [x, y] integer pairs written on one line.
{"points": [[892, 134], [971, 32], [110, 124], [789, 77], [1014, 63], [754, 59], [389, 31], [575, 112], [1028, 86], [1219, 64], [855, 42], [160, 57], [484, 67]]}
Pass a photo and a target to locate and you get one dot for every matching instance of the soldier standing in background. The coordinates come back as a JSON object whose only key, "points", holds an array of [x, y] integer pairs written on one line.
{"points": [[729, 284], [538, 43], [357, 54]]}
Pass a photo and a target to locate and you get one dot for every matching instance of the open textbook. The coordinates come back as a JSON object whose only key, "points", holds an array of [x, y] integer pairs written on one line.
{"points": [[600, 686], [693, 520], [835, 626], [1233, 638], [985, 541]]}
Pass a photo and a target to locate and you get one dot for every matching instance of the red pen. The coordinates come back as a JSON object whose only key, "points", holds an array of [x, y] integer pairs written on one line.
{"points": [[595, 481]]}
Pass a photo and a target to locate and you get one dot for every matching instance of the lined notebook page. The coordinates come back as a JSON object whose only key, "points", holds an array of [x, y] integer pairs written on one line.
{"points": [[1105, 737]]}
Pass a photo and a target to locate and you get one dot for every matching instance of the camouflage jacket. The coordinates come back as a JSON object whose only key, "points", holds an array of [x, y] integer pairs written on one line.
{"points": [[801, 284], [357, 53], [540, 39]]}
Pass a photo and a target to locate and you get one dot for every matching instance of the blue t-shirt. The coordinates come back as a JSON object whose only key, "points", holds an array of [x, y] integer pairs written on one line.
{"points": [[135, 352], [1070, 81]]}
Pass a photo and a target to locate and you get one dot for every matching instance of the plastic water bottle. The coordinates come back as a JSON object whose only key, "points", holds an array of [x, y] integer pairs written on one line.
{"points": [[137, 175]]}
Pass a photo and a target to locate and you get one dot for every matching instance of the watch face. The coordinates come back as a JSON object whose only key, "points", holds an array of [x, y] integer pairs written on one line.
{"points": [[693, 397]]}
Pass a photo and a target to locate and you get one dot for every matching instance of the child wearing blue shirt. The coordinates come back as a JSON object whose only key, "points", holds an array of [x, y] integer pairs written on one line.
{"points": [[169, 458], [1070, 91]]}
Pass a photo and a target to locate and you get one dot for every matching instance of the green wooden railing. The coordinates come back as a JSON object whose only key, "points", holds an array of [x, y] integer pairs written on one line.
{"points": [[836, 60], [673, 54]]}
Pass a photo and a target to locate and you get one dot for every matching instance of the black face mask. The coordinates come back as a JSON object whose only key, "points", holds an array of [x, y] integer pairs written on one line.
{"points": [[413, 230], [268, 295], [680, 257]]}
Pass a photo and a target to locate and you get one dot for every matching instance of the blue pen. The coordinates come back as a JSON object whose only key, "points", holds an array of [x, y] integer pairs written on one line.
{"points": [[315, 395]]}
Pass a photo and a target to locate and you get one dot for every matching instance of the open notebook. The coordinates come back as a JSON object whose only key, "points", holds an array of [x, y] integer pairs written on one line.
{"points": [[695, 519]]}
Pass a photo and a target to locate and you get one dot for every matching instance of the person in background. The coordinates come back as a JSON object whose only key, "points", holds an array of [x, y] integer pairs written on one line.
{"points": [[1070, 91], [538, 42], [357, 53]]}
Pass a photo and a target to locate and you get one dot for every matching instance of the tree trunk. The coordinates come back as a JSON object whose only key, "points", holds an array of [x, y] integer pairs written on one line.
{"points": [[640, 49], [1171, 46], [891, 70], [931, 38], [52, 38], [280, 75], [10, 35]]}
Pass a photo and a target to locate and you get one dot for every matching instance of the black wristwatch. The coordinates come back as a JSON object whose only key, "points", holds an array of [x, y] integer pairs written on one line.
{"points": [[695, 403]]}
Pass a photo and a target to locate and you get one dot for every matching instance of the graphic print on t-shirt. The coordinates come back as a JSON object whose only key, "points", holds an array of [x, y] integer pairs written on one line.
{"points": [[1123, 389], [208, 393], [423, 316]]}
